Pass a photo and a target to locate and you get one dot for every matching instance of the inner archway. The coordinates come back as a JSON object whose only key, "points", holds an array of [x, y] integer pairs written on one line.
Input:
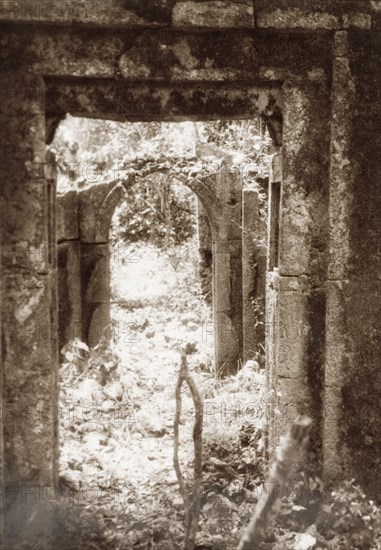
{"points": [[219, 179], [157, 301], [128, 331]]}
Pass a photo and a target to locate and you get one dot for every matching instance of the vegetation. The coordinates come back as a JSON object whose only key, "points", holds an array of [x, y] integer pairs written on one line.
{"points": [[118, 486], [160, 210]]}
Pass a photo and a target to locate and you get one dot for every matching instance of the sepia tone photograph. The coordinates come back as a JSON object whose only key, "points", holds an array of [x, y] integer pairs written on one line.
{"points": [[190, 267]]}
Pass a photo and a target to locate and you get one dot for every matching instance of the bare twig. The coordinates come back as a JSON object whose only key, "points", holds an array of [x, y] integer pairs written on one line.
{"points": [[176, 429], [192, 503], [282, 470]]}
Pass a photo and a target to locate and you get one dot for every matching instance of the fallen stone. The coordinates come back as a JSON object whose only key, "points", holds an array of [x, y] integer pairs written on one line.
{"points": [[115, 390], [213, 14], [189, 318], [304, 541], [192, 326]]}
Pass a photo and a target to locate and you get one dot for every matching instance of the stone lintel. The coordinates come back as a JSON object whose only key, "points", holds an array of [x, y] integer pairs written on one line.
{"points": [[89, 13], [117, 100], [314, 16], [207, 14], [213, 14], [192, 14], [166, 55]]}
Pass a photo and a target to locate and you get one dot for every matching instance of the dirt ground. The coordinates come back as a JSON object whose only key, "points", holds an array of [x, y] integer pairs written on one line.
{"points": [[117, 433]]}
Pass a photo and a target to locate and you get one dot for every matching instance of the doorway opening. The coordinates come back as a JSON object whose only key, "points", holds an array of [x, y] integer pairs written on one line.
{"points": [[154, 277]]}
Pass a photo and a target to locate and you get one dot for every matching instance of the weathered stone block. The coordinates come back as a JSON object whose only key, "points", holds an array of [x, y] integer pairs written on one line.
{"points": [[341, 44], [67, 217], [295, 351], [127, 13], [227, 344], [72, 53], [297, 18], [304, 228], [276, 169], [29, 342], [222, 275], [95, 289], [89, 205], [291, 402], [293, 328], [99, 325], [303, 14], [359, 20], [69, 292], [213, 14], [293, 56], [168, 56], [352, 384], [27, 372], [42, 11], [123, 101]]}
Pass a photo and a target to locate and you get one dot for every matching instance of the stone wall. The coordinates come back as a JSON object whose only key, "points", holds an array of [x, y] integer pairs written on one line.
{"points": [[205, 250], [29, 352], [83, 227], [69, 269], [311, 70], [353, 347]]}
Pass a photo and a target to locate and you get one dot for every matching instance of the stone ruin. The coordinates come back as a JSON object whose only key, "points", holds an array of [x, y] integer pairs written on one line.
{"points": [[311, 71], [84, 253]]}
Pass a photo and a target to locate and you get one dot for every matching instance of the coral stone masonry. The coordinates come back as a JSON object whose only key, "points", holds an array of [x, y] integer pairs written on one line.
{"points": [[310, 69]]}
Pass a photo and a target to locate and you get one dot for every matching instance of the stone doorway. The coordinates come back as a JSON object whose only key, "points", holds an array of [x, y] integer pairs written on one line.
{"points": [[311, 71], [84, 219]]}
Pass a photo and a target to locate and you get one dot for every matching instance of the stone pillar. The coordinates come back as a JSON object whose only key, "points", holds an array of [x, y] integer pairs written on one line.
{"points": [[272, 294], [205, 249], [69, 292], [341, 197], [2, 408], [95, 284], [28, 275], [227, 338], [227, 281], [96, 206], [275, 187], [253, 265], [352, 422], [69, 269], [51, 177], [272, 342], [296, 371]]}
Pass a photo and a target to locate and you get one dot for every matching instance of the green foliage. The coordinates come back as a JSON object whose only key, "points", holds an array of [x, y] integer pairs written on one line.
{"points": [[240, 459], [97, 363], [249, 138], [339, 519], [99, 147], [350, 520], [159, 212], [251, 148]]}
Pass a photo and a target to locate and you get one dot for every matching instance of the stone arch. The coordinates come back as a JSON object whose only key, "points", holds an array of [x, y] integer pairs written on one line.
{"points": [[323, 61], [219, 190], [207, 196], [95, 218], [106, 211]]}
